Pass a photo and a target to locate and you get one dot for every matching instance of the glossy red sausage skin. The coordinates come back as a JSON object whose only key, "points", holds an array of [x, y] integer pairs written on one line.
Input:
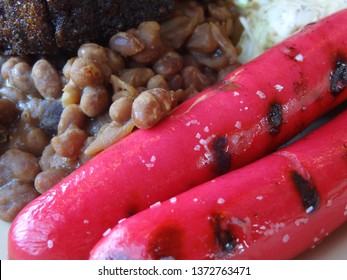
{"points": [[274, 208], [246, 116]]}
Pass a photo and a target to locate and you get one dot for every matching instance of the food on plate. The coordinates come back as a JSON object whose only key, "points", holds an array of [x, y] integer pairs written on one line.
{"points": [[274, 208], [249, 113], [267, 22], [45, 27], [66, 109]]}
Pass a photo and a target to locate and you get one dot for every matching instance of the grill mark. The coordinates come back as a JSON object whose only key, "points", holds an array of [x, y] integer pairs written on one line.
{"points": [[307, 191], [221, 155], [338, 78], [224, 236], [166, 242], [275, 118]]}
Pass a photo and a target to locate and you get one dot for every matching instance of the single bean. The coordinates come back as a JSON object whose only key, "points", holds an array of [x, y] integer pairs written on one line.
{"points": [[8, 112], [25, 166], [46, 156], [218, 12], [72, 115], [47, 79], [126, 44], [192, 76], [202, 39], [67, 68], [149, 33], [36, 141], [71, 94], [69, 143], [85, 72], [114, 61], [20, 77], [120, 110], [12, 94], [94, 100], [14, 196], [47, 179], [157, 81], [94, 52], [150, 107], [136, 77], [169, 64], [8, 65]]}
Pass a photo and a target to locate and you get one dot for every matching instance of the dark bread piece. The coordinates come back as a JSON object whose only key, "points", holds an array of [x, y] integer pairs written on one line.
{"points": [[50, 26]]}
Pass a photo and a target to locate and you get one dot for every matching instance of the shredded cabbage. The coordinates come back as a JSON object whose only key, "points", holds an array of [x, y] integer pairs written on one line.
{"points": [[268, 22]]}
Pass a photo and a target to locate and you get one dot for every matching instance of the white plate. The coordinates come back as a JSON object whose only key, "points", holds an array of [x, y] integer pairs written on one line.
{"points": [[334, 247], [4, 227]]}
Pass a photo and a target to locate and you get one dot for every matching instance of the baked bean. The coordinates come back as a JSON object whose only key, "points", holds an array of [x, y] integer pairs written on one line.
{"points": [[67, 164], [5, 172], [4, 133], [115, 61], [3, 59], [17, 137], [67, 67], [24, 166], [227, 28], [192, 76], [20, 77], [120, 110], [69, 143], [85, 72], [8, 112], [224, 43], [46, 79], [149, 33], [109, 134], [71, 94], [36, 141], [177, 30], [72, 115], [175, 82], [95, 124], [120, 94], [193, 10], [49, 178], [169, 64], [12, 94], [93, 51], [94, 100], [150, 107], [83, 157], [146, 111], [218, 60], [137, 77], [13, 197], [99, 55], [120, 86], [8, 65], [218, 12], [106, 72], [46, 156], [145, 71], [202, 39], [126, 44], [157, 81]]}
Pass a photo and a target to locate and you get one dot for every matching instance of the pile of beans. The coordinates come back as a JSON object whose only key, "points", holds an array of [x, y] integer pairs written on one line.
{"points": [[53, 119]]}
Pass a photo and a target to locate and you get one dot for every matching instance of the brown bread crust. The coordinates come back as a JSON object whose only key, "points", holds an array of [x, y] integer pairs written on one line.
{"points": [[49, 26]]}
